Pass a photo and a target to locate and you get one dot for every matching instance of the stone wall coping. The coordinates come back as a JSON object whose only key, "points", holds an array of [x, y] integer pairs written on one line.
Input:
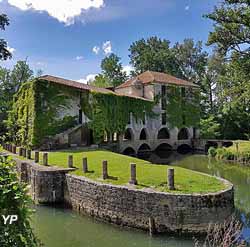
{"points": [[129, 187]]}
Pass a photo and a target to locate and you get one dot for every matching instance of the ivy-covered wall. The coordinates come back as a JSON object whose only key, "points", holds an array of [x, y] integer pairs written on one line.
{"points": [[183, 107]]}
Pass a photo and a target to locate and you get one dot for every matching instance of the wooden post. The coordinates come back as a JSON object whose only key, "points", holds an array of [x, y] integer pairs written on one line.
{"points": [[133, 179], [29, 154], [85, 164], [105, 169], [36, 157], [45, 159], [24, 152], [151, 226], [20, 151], [70, 161], [171, 178], [14, 149]]}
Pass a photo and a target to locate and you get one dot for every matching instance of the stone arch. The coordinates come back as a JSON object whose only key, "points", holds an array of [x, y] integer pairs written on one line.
{"points": [[129, 151], [144, 151], [128, 135], [184, 149], [164, 150], [143, 134], [163, 134], [183, 134], [144, 147]]}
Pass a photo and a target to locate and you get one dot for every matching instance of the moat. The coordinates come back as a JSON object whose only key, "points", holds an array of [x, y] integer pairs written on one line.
{"points": [[62, 227]]}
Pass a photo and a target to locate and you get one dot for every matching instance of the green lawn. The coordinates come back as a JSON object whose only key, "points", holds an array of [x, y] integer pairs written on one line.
{"points": [[148, 175]]}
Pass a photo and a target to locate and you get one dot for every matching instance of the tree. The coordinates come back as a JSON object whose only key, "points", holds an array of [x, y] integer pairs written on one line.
{"points": [[14, 200], [232, 27], [191, 60], [10, 82], [101, 81], [112, 70], [153, 54], [4, 52], [209, 128]]}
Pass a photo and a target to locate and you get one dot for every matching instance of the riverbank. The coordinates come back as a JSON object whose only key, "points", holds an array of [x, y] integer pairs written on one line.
{"points": [[239, 152]]}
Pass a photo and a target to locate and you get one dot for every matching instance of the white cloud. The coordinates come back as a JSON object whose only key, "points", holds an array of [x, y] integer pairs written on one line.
{"points": [[187, 7], [64, 10], [11, 49], [107, 47], [88, 78], [96, 49], [39, 63], [127, 69], [79, 58]]}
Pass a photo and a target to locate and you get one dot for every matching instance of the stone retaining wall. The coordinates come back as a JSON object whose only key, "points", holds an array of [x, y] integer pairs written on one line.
{"points": [[126, 206], [144, 209]]}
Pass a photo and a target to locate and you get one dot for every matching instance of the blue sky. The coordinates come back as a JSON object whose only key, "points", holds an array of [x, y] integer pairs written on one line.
{"points": [[69, 38]]}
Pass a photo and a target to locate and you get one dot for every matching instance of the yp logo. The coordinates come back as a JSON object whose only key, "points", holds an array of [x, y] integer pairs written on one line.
{"points": [[9, 219]]}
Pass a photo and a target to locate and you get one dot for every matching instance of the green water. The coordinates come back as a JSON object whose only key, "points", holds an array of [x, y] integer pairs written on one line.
{"points": [[64, 228]]}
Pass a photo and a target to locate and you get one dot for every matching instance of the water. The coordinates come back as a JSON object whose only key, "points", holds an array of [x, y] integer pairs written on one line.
{"points": [[64, 228]]}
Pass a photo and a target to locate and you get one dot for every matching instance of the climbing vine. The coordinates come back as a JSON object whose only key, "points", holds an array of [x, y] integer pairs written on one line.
{"points": [[110, 113], [183, 109]]}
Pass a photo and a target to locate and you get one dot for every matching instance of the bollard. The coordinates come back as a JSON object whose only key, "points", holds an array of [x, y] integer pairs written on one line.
{"points": [[24, 152], [105, 169], [85, 164], [36, 157], [70, 161], [45, 159], [171, 179], [133, 174], [20, 151], [29, 154]]}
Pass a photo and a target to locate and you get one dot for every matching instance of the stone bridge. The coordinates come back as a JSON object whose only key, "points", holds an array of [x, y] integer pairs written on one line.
{"points": [[205, 144]]}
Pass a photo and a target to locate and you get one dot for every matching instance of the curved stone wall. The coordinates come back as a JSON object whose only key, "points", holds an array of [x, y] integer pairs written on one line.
{"points": [[147, 209]]}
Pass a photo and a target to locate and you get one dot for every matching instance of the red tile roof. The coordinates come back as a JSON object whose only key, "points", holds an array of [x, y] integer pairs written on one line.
{"points": [[82, 86], [156, 77]]}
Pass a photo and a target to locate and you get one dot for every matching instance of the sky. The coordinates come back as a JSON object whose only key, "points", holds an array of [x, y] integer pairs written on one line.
{"points": [[69, 38]]}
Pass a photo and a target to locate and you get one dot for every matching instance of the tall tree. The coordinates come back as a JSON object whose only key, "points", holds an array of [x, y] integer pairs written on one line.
{"points": [[231, 26], [153, 54], [112, 70], [4, 52], [191, 60]]}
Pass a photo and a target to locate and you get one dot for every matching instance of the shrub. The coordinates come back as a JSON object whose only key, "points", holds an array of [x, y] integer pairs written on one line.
{"points": [[212, 152]]}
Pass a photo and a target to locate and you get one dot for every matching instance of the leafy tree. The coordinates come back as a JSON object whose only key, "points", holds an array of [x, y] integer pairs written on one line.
{"points": [[209, 128], [153, 54], [112, 70], [101, 81], [191, 60], [10, 82], [4, 52], [14, 200], [232, 26]]}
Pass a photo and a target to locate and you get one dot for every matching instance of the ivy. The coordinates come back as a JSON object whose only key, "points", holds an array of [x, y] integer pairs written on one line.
{"points": [[183, 110]]}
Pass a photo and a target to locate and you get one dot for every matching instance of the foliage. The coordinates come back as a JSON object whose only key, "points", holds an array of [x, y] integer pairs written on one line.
{"points": [[183, 110], [209, 128], [149, 175], [212, 152], [10, 82], [227, 234], [232, 27], [14, 200], [153, 54], [101, 81], [110, 113], [4, 52], [113, 71]]}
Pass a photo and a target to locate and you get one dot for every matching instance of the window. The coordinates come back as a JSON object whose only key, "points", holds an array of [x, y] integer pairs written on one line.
{"points": [[163, 98], [144, 118], [143, 135], [80, 116], [183, 92], [163, 118]]}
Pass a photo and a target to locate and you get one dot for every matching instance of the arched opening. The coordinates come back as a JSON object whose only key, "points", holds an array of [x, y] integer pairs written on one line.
{"points": [[143, 135], [129, 151], [128, 135], [184, 149], [164, 150], [183, 134], [210, 144], [163, 134], [144, 151], [227, 144]]}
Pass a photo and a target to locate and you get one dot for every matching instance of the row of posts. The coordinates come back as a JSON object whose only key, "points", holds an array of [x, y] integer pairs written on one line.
{"points": [[133, 179]]}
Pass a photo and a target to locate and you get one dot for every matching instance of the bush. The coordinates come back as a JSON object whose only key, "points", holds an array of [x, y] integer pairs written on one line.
{"points": [[212, 152], [14, 200]]}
